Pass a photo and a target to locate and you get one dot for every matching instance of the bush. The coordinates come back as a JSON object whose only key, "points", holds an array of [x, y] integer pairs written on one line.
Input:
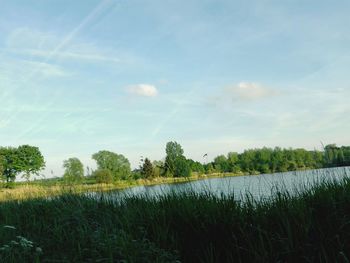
{"points": [[182, 169], [103, 176]]}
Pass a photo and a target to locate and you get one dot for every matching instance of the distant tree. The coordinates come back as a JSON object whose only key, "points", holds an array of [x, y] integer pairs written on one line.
{"points": [[182, 168], [32, 161], [24, 159], [233, 162], [147, 170], [116, 163], [221, 164], [196, 167], [209, 168], [74, 170], [2, 168], [158, 168], [103, 176], [330, 152], [174, 152]]}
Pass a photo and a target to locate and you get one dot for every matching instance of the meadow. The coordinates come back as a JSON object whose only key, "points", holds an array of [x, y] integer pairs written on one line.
{"points": [[312, 226]]}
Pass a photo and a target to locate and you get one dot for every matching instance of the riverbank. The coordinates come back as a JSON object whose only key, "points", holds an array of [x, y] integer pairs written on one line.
{"points": [[39, 189], [311, 226]]}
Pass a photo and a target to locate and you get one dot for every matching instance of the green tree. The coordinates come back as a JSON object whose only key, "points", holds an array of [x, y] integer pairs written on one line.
{"points": [[32, 161], [24, 159], [116, 163], [147, 170], [103, 176], [158, 167], [174, 152], [221, 164], [74, 170], [196, 167], [2, 168], [233, 162], [182, 168]]}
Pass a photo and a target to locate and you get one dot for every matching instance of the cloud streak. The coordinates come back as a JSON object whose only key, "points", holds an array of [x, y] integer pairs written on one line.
{"points": [[143, 90], [249, 91], [68, 55]]}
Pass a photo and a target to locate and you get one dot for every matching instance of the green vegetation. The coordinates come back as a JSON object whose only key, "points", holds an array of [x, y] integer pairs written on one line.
{"points": [[312, 226], [103, 176], [114, 168], [74, 170], [268, 160], [116, 163], [147, 170], [25, 160]]}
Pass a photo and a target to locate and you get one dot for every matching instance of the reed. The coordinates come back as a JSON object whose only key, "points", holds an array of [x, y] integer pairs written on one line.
{"points": [[310, 226]]}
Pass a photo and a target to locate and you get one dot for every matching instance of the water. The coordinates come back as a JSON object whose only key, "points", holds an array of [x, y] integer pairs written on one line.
{"points": [[259, 186]]}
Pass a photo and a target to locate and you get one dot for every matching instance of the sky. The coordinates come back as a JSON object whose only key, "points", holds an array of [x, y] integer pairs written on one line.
{"points": [[128, 76]]}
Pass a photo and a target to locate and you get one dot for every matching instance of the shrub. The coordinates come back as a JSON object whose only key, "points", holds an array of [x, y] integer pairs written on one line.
{"points": [[103, 176]]}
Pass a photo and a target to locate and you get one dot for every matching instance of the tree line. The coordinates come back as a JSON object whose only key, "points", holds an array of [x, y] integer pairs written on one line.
{"points": [[27, 160]]}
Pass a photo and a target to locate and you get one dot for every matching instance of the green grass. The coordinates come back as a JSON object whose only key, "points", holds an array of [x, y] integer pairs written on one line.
{"points": [[313, 226], [57, 186]]}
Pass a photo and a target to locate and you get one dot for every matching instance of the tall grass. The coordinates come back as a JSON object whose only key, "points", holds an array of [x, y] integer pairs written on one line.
{"points": [[311, 226]]}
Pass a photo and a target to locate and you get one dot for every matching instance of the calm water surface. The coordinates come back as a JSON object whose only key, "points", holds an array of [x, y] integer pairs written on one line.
{"points": [[258, 186]]}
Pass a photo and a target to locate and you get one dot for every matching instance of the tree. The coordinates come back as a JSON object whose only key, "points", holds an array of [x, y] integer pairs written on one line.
{"points": [[196, 166], [173, 151], [24, 159], [158, 168], [182, 168], [233, 162], [221, 164], [32, 161], [116, 163], [2, 168], [103, 176], [147, 170], [74, 170]]}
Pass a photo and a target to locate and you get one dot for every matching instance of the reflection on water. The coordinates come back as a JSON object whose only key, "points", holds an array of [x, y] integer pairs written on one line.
{"points": [[257, 185]]}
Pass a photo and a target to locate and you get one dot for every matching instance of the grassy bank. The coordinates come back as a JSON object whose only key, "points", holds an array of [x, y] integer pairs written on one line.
{"points": [[47, 188], [310, 227]]}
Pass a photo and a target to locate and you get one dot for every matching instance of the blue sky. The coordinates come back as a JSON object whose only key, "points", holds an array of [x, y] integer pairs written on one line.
{"points": [[77, 77]]}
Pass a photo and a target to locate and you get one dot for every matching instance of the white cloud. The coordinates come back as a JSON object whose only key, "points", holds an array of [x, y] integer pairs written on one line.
{"points": [[249, 91], [145, 90]]}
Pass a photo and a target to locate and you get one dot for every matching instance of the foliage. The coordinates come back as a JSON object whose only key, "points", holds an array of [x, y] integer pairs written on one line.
{"points": [[182, 168], [103, 176], [268, 160], [25, 159], [147, 170], [32, 161], [196, 167], [174, 152], [312, 226], [17, 248], [158, 168], [337, 156], [74, 170], [116, 163]]}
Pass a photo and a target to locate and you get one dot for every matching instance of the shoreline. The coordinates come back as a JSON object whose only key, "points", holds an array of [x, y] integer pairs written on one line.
{"points": [[32, 190], [39, 189]]}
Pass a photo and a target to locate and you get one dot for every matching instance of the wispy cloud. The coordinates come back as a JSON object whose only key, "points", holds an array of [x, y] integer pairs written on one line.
{"points": [[42, 45], [143, 90], [243, 93], [93, 56], [249, 91], [45, 69]]}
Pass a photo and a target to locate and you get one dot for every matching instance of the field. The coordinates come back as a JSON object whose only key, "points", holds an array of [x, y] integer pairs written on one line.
{"points": [[310, 227]]}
